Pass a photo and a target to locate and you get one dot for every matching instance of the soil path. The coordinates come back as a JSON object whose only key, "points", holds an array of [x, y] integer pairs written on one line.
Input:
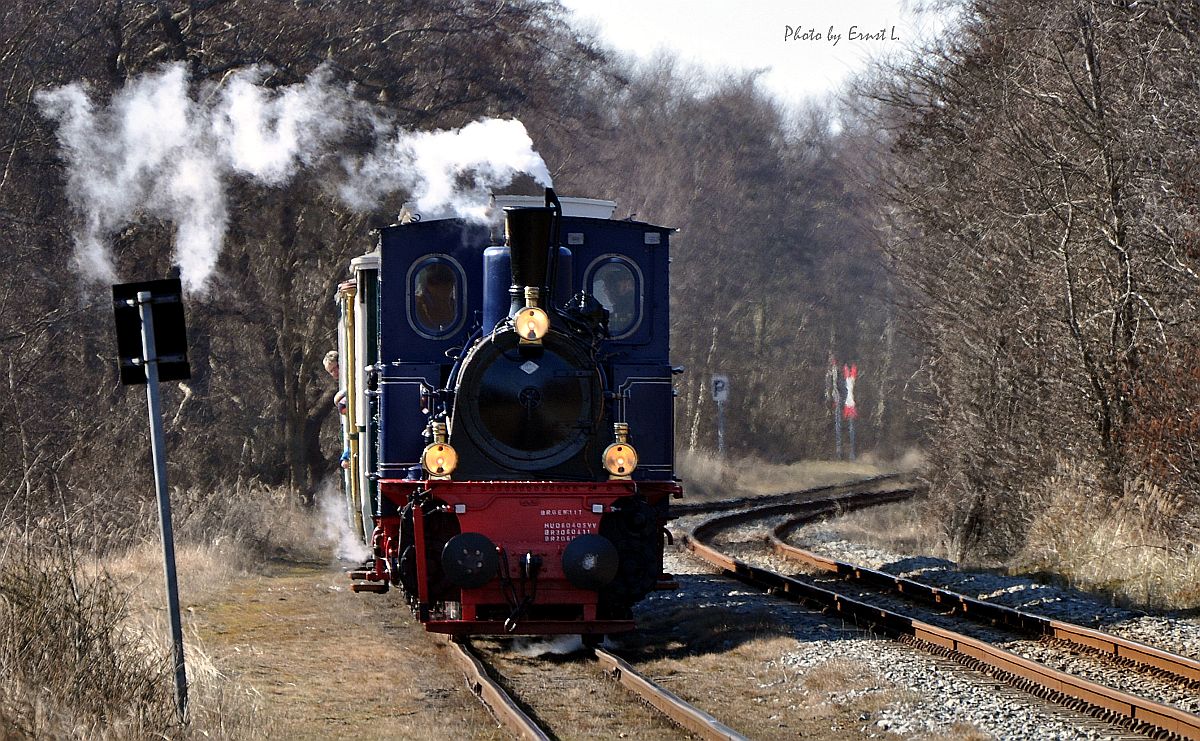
{"points": [[330, 664]]}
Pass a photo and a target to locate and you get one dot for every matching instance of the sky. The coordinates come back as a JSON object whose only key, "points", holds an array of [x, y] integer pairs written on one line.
{"points": [[807, 46]]}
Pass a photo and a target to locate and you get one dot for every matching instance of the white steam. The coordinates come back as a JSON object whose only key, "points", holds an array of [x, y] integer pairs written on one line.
{"points": [[335, 521], [156, 150], [535, 646], [445, 172], [265, 134]]}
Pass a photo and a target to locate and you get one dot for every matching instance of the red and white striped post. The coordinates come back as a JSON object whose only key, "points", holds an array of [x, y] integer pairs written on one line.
{"points": [[849, 410]]}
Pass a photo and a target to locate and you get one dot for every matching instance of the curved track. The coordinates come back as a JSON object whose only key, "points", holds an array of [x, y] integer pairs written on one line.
{"points": [[1183, 668], [1138, 713], [788, 499]]}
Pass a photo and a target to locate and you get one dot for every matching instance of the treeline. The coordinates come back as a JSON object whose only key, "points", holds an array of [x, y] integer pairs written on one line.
{"points": [[775, 269], [1041, 184]]}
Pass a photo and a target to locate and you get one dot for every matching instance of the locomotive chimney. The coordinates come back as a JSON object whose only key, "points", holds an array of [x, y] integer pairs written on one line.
{"points": [[529, 232]]}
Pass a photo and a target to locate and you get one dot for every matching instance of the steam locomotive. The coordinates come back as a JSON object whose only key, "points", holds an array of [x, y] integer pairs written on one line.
{"points": [[509, 426]]}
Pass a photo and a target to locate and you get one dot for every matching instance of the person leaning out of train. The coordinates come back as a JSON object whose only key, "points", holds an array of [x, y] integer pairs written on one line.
{"points": [[333, 368]]}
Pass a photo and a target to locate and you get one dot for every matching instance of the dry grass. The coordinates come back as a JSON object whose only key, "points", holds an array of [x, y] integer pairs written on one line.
{"points": [[329, 665], [748, 686], [80, 662], [219, 539], [707, 477], [1141, 548], [902, 527], [835, 675], [83, 632], [73, 664]]}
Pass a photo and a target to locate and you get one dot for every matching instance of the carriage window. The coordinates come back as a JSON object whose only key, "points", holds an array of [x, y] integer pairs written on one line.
{"points": [[615, 285], [435, 297]]}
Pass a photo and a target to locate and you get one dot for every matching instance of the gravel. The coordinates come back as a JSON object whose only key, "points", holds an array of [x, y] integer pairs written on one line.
{"points": [[948, 695], [1175, 633], [940, 697]]}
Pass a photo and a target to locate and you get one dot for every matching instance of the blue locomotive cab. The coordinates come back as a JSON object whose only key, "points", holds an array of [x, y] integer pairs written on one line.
{"points": [[459, 290]]}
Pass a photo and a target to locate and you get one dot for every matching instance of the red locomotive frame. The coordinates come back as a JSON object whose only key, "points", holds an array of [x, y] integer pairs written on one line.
{"points": [[520, 517]]}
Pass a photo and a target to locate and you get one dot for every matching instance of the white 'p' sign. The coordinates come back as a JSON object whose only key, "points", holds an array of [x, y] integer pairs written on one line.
{"points": [[720, 388]]}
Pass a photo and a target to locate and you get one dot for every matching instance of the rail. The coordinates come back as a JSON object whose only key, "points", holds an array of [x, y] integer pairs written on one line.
{"points": [[1140, 713], [506, 711], [979, 610], [681, 713]]}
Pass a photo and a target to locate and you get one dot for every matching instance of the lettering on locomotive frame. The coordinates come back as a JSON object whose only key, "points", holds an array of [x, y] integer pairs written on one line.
{"points": [[565, 530]]}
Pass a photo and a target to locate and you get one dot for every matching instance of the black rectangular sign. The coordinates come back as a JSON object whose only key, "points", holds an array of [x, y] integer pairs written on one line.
{"points": [[170, 331]]}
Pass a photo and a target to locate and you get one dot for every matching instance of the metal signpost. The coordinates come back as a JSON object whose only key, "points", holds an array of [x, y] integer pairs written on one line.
{"points": [[834, 394], [152, 346], [720, 394]]}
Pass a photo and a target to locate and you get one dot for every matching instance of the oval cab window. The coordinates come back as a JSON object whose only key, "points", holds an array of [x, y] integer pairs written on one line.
{"points": [[616, 286], [435, 297]]}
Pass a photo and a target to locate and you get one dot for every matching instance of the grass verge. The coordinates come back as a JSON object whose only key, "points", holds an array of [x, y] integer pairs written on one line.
{"points": [[707, 477], [1141, 548], [84, 645]]}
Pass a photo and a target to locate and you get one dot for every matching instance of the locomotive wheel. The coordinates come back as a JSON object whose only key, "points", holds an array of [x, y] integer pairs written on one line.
{"points": [[396, 577], [406, 570]]}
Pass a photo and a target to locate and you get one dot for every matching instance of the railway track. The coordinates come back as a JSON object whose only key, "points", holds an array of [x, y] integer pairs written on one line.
{"points": [[507, 712], [1182, 670], [787, 499], [1111, 704], [517, 714], [660, 715]]}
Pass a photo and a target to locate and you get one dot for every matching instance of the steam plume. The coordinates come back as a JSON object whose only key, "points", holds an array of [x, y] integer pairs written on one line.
{"points": [[335, 525], [155, 150], [536, 646], [445, 171]]}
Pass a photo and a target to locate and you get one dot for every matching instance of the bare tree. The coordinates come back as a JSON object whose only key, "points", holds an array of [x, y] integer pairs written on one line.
{"points": [[1037, 225]]}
